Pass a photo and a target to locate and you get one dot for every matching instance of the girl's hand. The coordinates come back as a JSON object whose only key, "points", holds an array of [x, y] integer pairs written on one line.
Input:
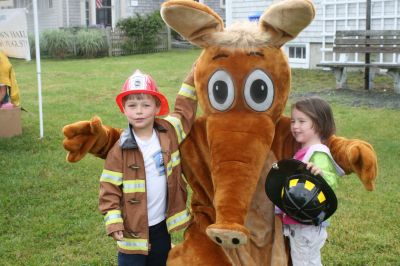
{"points": [[117, 235], [314, 169]]}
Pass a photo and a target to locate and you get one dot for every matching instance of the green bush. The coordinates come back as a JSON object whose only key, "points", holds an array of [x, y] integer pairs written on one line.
{"points": [[31, 39], [32, 47], [89, 43], [57, 43], [141, 31]]}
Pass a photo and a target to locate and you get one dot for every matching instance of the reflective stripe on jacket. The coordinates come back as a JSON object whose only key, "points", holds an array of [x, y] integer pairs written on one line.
{"points": [[123, 198]]}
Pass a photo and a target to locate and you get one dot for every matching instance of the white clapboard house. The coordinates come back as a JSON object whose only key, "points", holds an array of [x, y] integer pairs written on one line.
{"points": [[314, 44], [54, 14]]}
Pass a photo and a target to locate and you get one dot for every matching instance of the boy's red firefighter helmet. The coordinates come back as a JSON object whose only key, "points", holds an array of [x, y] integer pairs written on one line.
{"points": [[142, 83]]}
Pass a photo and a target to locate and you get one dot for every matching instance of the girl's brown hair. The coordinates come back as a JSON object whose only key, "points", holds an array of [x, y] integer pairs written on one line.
{"points": [[320, 113]]}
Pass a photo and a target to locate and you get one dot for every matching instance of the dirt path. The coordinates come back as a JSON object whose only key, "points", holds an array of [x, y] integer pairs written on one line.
{"points": [[355, 98]]}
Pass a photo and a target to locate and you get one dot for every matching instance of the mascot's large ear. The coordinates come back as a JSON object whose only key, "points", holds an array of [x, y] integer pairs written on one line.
{"points": [[194, 21], [286, 19]]}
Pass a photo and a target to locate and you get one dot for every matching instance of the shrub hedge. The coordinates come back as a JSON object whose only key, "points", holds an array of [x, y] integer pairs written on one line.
{"points": [[70, 42], [89, 43], [141, 31]]}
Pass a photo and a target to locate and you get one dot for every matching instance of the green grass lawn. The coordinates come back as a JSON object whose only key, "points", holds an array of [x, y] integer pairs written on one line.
{"points": [[49, 214]]}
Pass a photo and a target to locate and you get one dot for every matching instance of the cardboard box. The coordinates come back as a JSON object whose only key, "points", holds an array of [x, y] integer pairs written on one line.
{"points": [[10, 122]]}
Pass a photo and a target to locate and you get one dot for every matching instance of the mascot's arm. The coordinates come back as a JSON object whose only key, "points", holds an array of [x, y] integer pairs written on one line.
{"points": [[94, 137], [353, 155], [183, 116], [284, 145], [89, 136], [357, 156]]}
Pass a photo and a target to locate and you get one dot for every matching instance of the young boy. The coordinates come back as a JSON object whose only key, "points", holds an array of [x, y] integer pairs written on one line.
{"points": [[142, 193]]}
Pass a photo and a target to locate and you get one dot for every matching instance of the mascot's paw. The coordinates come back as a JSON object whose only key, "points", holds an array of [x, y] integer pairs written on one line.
{"points": [[229, 235], [83, 137], [357, 156], [363, 162], [197, 250]]}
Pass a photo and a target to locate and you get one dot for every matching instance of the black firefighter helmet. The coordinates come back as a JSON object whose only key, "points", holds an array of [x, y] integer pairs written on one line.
{"points": [[305, 197]]}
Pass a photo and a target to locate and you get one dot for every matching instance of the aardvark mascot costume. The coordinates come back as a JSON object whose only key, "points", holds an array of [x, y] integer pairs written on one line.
{"points": [[242, 80]]}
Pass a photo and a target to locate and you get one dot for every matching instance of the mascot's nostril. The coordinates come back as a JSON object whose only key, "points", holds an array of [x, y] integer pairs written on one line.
{"points": [[218, 240], [235, 241]]}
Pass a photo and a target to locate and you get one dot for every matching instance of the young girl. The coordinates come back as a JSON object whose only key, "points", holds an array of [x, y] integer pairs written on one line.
{"points": [[312, 124]]}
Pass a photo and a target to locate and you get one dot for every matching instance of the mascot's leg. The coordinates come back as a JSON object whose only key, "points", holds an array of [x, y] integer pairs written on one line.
{"points": [[197, 248]]}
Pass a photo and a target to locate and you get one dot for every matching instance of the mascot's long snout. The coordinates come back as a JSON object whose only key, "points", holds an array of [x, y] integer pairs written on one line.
{"points": [[238, 152]]}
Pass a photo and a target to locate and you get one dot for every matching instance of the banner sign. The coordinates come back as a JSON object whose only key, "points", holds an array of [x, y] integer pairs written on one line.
{"points": [[14, 33], [6, 3]]}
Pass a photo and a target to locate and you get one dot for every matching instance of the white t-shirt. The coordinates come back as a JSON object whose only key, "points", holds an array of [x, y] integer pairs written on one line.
{"points": [[156, 180]]}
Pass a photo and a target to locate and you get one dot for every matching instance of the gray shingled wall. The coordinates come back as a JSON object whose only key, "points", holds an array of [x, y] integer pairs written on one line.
{"points": [[216, 6], [144, 7], [149, 6], [74, 13]]}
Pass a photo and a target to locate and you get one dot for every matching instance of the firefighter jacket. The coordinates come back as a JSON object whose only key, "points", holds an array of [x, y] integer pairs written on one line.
{"points": [[123, 198]]}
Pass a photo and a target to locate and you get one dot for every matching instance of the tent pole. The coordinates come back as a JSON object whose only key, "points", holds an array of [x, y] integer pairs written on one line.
{"points": [[38, 69]]}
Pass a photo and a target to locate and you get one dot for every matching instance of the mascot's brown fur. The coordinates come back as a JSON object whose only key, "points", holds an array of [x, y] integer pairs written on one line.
{"points": [[242, 79]]}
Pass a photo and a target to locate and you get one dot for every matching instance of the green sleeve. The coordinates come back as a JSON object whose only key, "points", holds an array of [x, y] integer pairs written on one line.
{"points": [[324, 162]]}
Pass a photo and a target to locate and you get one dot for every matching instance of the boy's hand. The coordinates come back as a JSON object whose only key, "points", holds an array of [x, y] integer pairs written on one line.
{"points": [[314, 169], [117, 235]]}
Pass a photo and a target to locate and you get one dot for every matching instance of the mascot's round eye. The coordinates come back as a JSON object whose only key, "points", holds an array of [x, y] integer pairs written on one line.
{"points": [[259, 91], [220, 90]]}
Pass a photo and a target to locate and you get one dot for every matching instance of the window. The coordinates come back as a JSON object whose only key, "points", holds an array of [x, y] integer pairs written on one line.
{"points": [[22, 4], [87, 12], [222, 3], [103, 14], [45, 4], [297, 52]]}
